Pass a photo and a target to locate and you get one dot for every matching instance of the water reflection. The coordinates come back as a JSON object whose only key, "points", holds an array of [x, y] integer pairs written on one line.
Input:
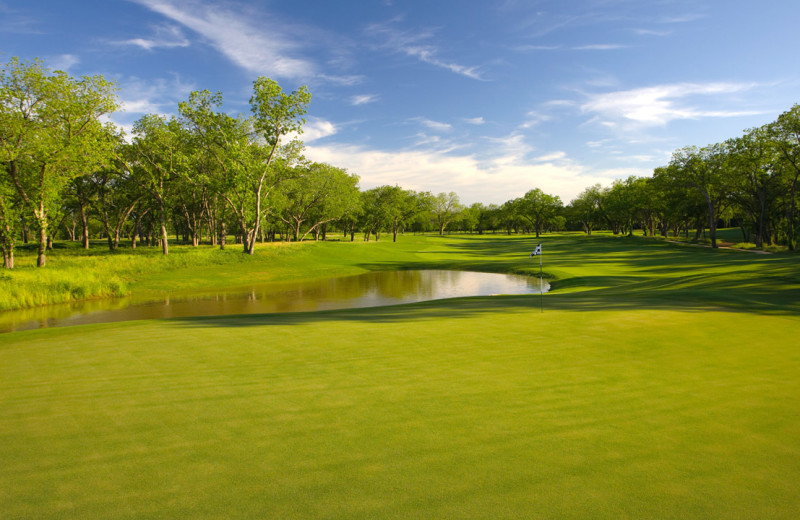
{"points": [[367, 290]]}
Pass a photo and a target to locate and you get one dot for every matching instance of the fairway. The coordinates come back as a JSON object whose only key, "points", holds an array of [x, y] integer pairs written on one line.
{"points": [[661, 381]]}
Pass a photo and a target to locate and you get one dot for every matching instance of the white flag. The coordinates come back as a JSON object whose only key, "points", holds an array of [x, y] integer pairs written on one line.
{"points": [[537, 251]]}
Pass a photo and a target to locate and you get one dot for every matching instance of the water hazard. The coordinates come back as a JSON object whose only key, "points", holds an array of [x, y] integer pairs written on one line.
{"points": [[366, 290]]}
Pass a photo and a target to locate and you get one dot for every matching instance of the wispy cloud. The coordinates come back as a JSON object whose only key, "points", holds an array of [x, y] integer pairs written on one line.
{"points": [[534, 118], [684, 18], [251, 40], [414, 45], [160, 96], [63, 62], [433, 125], [313, 130], [651, 32], [600, 47], [475, 120], [587, 47], [363, 99], [13, 21], [164, 36], [658, 105]]}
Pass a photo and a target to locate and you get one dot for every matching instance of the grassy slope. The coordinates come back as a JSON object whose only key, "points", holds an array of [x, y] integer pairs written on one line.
{"points": [[621, 400]]}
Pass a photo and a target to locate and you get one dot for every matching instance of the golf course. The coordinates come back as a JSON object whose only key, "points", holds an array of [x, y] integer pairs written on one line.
{"points": [[654, 380]]}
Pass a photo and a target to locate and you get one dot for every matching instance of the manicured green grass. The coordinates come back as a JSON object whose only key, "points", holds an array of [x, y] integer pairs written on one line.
{"points": [[661, 381]]}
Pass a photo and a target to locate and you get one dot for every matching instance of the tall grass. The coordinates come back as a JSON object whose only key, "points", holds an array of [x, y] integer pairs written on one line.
{"points": [[74, 274]]}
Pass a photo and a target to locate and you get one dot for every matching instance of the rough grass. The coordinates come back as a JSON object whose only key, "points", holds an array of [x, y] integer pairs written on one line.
{"points": [[661, 381]]}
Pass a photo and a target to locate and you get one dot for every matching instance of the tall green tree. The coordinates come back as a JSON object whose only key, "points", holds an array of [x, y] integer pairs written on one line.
{"points": [[785, 136], [708, 171], [755, 183], [445, 209], [538, 208], [587, 208], [317, 194], [247, 148], [50, 132], [157, 157], [9, 219]]}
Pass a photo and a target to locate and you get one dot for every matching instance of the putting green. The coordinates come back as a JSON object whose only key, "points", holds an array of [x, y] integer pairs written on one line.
{"points": [[656, 391]]}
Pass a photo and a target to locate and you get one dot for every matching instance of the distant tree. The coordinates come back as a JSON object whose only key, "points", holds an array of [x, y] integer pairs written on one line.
{"points": [[538, 208], [784, 134], [706, 170], [446, 207], [756, 180], [317, 194], [587, 208], [373, 218]]}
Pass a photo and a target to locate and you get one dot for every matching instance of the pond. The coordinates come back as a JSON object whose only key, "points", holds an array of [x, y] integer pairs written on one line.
{"points": [[367, 290]]}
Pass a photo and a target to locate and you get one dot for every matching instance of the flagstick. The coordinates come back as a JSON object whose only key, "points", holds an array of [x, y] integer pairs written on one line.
{"points": [[541, 287]]}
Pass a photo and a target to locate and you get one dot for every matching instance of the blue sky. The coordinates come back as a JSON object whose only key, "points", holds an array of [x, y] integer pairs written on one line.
{"points": [[487, 99]]}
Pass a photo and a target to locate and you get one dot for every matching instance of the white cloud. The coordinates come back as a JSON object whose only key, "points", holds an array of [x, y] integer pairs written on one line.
{"points": [[495, 180], [313, 130], [534, 118], [363, 99], [553, 156], [658, 105], [651, 32], [434, 125], [588, 47], [249, 40], [63, 62], [346, 81], [165, 36], [428, 55], [600, 47], [410, 44], [159, 96], [475, 120]]}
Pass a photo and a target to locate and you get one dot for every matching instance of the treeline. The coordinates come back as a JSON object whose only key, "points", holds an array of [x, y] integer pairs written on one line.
{"points": [[205, 175]]}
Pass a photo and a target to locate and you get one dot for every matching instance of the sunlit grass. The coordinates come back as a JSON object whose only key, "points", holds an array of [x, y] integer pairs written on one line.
{"points": [[661, 381]]}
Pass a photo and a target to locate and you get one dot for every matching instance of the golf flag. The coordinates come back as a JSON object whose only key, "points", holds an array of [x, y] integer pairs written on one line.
{"points": [[537, 251]]}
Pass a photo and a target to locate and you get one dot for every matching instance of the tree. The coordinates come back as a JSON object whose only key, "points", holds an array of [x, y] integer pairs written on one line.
{"points": [[374, 217], [587, 208], [246, 148], [785, 136], [316, 195], [117, 198], [50, 132], [446, 206], [753, 159], [538, 208], [707, 171], [158, 155], [9, 217]]}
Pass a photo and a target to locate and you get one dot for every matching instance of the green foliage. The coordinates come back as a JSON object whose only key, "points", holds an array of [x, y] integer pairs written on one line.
{"points": [[50, 132]]}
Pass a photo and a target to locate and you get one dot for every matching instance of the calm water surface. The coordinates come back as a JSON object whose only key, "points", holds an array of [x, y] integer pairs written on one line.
{"points": [[366, 290]]}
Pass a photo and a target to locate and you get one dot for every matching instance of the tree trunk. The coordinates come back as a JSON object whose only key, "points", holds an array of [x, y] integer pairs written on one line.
{"points": [[712, 224], [24, 230], [41, 260], [8, 257]]}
